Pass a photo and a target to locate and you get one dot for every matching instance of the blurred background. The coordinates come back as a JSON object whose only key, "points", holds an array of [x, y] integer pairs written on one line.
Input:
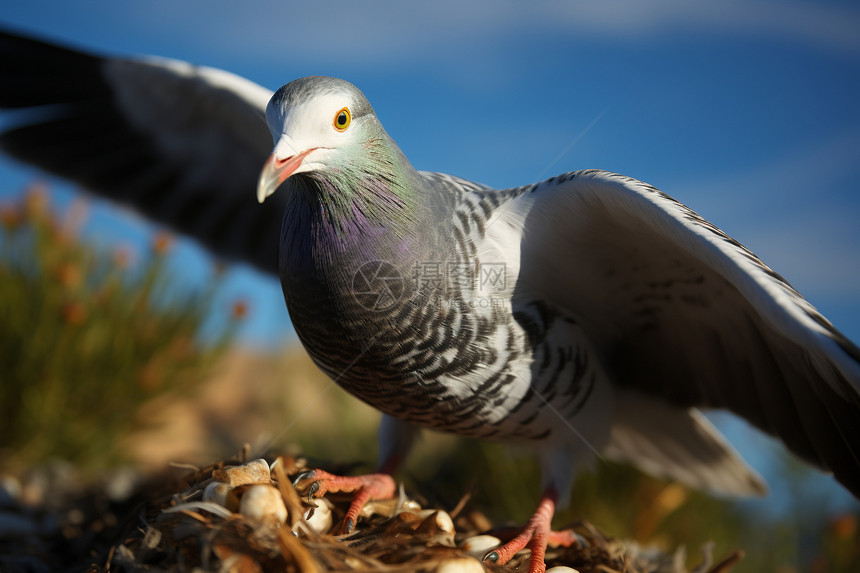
{"points": [[125, 344]]}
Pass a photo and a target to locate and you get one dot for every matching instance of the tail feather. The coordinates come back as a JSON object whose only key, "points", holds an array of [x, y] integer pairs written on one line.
{"points": [[678, 444]]}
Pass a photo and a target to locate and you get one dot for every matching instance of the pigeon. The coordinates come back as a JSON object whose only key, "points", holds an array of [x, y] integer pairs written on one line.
{"points": [[586, 316]]}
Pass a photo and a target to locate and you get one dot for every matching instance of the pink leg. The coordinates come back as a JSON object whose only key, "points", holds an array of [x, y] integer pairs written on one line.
{"points": [[536, 535], [395, 439], [366, 487]]}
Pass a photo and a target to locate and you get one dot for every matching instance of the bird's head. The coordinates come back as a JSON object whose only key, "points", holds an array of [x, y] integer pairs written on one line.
{"points": [[321, 126]]}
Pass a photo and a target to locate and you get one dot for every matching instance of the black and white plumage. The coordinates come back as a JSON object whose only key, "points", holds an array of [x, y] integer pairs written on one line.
{"points": [[114, 126], [622, 311]]}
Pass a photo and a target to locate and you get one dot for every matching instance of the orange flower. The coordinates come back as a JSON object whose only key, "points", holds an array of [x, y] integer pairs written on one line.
{"points": [[844, 526], [180, 347], [162, 242], [122, 257], [69, 275], [240, 310], [10, 217], [151, 375], [36, 200], [74, 313]]}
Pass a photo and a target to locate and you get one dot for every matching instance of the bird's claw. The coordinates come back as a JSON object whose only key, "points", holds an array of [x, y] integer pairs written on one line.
{"points": [[492, 557], [313, 488], [307, 474]]}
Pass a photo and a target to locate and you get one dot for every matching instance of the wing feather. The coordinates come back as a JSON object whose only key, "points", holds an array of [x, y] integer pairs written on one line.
{"points": [[681, 311], [182, 144]]}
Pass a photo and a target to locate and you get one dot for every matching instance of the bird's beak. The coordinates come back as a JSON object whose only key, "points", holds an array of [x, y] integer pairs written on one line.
{"points": [[282, 163]]}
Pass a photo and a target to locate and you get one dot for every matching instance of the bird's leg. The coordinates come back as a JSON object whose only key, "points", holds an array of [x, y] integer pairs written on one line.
{"points": [[395, 440], [536, 535], [366, 487]]}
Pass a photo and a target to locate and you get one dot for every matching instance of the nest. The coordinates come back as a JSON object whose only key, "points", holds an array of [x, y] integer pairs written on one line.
{"points": [[242, 517]]}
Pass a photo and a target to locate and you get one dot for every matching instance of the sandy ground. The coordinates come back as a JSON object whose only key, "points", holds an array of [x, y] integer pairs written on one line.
{"points": [[262, 399]]}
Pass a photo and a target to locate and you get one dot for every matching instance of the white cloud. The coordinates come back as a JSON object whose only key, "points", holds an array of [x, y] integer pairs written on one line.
{"points": [[383, 32], [392, 30]]}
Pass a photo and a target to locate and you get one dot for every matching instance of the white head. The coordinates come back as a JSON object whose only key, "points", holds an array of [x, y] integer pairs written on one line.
{"points": [[317, 123]]}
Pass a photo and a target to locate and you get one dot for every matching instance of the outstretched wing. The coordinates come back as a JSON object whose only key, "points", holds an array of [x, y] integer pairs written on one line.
{"points": [[182, 144], [680, 311]]}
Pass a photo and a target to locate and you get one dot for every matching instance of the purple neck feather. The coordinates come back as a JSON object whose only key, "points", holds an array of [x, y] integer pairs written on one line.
{"points": [[322, 238]]}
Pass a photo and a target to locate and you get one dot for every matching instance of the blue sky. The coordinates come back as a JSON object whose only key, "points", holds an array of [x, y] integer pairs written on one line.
{"points": [[744, 110]]}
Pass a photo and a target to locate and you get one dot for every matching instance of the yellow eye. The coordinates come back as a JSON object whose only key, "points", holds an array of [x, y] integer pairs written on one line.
{"points": [[342, 119]]}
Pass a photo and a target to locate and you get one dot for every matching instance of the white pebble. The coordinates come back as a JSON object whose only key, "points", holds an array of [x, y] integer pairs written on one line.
{"points": [[461, 565], [409, 505], [435, 521], [386, 507], [561, 569], [10, 491], [216, 492], [480, 544], [319, 518], [437, 526], [263, 503]]}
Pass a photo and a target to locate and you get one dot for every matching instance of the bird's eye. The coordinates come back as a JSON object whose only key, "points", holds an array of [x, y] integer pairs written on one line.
{"points": [[342, 119]]}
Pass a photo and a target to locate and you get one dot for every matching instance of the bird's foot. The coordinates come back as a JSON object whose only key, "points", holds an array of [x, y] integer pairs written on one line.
{"points": [[536, 535], [365, 487]]}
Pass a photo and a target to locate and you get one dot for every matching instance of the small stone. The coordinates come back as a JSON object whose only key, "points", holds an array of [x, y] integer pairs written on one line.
{"points": [[122, 484], [75, 516], [461, 565], [318, 518], [149, 546], [481, 544], [389, 507], [561, 569], [256, 471], [151, 539], [435, 521], [216, 492], [263, 503], [410, 505], [437, 527], [10, 491]]}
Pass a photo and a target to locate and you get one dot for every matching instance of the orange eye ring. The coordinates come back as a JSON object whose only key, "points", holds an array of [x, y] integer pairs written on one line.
{"points": [[342, 119]]}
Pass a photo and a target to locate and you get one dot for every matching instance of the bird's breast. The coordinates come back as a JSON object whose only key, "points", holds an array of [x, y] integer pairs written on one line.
{"points": [[426, 332]]}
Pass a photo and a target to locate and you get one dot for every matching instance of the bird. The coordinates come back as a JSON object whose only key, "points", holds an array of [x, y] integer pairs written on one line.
{"points": [[586, 316]]}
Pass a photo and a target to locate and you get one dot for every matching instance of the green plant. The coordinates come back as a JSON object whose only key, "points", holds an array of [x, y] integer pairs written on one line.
{"points": [[86, 336]]}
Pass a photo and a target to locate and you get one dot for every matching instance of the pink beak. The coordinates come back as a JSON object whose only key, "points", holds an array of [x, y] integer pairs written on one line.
{"points": [[276, 171]]}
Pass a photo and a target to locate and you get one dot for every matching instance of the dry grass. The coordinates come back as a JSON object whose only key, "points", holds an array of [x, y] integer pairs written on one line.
{"points": [[168, 527]]}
